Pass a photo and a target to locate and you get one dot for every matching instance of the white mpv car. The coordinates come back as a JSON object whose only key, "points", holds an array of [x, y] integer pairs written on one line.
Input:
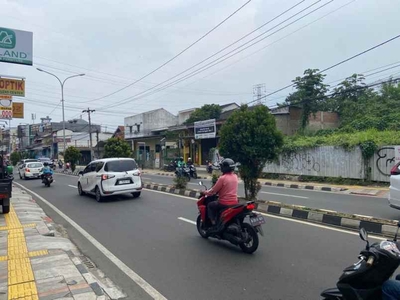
{"points": [[110, 177], [394, 189]]}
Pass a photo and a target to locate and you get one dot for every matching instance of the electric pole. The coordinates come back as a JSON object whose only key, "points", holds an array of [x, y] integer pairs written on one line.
{"points": [[89, 111]]}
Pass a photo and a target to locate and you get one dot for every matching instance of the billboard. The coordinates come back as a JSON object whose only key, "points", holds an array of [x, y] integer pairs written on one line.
{"points": [[6, 112], [12, 87], [18, 110], [205, 129], [16, 46]]}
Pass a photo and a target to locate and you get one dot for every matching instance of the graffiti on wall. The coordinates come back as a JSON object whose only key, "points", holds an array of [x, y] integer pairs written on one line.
{"points": [[300, 162], [385, 158]]}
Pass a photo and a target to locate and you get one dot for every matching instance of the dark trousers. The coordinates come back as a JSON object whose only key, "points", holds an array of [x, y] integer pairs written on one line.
{"points": [[213, 208]]}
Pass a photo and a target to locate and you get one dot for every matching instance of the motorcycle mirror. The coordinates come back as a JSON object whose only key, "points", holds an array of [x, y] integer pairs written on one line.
{"points": [[397, 232], [363, 234], [200, 182]]}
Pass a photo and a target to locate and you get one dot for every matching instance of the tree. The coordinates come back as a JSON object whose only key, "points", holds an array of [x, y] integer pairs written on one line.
{"points": [[115, 147], [309, 94], [15, 158], [72, 155], [250, 136], [206, 112]]}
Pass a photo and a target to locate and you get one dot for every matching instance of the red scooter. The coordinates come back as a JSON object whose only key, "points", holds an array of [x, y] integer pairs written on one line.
{"points": [[230, 224]]}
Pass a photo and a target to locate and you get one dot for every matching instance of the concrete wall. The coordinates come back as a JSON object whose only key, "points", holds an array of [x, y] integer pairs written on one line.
{"points": [[184, 115], [332, 161], [323, 120], [148, 121]]}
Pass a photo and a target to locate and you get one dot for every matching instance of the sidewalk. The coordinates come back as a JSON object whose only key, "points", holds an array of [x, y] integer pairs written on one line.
{"points": [[347, 189], [38, 261]]}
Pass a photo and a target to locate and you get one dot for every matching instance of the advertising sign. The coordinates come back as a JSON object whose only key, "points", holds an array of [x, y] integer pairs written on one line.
{"points": [[205, 129], [18, 110], [12, 87], [6, 112], [16, 46]]}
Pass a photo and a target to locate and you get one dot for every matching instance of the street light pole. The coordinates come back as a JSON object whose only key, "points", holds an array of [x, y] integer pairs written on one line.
{"points": [[62, 100]]}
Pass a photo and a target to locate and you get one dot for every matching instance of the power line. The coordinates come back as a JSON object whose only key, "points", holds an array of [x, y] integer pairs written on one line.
{"points": [[337, 64], [126, 100], [177, 55]]}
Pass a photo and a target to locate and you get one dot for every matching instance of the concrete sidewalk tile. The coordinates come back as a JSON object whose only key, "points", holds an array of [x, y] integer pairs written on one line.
{"points": [[86, 296], [52, 288], [44, 242]]}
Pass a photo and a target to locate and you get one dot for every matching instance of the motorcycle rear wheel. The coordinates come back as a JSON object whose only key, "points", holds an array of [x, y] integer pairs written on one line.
{"points": [[202, 232], [252, 245]]}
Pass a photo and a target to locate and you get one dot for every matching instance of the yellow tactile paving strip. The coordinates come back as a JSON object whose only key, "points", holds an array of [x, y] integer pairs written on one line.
{"points": [[21, 281]]}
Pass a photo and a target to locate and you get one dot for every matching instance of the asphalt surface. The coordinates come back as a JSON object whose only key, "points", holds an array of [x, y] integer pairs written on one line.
{"points": [[295, 260], [341, 202]]}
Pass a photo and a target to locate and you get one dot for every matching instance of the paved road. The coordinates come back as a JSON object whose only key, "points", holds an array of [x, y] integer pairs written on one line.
{"points": [[353, 204], [146, 234]]}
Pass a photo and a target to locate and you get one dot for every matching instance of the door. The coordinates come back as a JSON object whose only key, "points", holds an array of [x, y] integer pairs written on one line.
{"points": [[94, 175], [85, 178]]}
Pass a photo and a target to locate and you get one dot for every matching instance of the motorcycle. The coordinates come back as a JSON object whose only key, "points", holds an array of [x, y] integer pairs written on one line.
{"points": [[209, 167], [47, 179], [183, 171], [230, 225], [363, 280], [193, 171], [170, 167]]}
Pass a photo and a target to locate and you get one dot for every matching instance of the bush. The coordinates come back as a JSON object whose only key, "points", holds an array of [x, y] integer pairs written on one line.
{"points": [[180, 182], [15, 158], [214, 179], [72, 155]]}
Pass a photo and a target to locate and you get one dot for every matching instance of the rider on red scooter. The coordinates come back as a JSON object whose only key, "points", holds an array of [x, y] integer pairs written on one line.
{"points": [[226, 187]]}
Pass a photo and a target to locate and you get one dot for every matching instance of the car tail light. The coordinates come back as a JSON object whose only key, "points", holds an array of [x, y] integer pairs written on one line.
{"points": [[137, 174], [250, 206], [27, 170], [395, 170], [106, 176]]}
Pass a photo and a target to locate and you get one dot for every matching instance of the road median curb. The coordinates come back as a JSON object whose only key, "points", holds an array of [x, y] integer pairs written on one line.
{"points": [[305, 186], [321, 216]]}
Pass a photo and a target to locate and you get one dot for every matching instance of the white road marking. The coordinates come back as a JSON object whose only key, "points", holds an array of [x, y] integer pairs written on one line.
{"points": [[75, 187], [281, 218], [294, 196], [122, 266], [187, 220], [146, 178]]}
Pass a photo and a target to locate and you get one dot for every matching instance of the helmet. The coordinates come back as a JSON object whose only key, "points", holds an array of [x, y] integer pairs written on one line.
{"points": [[189, 158], [181, 158], [45, 164], [227, 165]]}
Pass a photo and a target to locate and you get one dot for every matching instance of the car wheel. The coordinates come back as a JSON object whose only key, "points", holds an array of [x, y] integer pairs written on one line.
{"points": [[136, 195], [20, 177], [25, 177], [6, 209], [80, 191], [99, 198]]}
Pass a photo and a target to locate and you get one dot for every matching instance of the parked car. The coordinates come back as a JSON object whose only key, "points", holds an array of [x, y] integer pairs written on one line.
{"points": [[110, 177], [31, 170], [394, 189]]}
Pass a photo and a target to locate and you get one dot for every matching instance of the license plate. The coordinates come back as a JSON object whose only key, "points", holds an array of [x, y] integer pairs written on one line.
{"points": [[257, 220], [124, 182], [35, 174]]}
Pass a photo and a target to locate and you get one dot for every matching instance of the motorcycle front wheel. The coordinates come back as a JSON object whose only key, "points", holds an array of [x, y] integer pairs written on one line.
{"points": [[195, 175], [252, 244], [202, 232]]}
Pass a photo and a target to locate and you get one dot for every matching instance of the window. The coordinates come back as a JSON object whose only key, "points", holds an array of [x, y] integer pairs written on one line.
{"points": [[122, 165], [99, 166], [34, 165], [130, 129], [87, 169]]}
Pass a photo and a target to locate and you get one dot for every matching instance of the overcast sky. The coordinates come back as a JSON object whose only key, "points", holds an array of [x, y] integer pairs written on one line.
{"points": [[116, 42]]}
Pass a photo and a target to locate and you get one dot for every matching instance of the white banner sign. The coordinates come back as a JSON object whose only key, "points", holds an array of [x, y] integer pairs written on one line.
{"points": [[16, 46], [205, 129]]}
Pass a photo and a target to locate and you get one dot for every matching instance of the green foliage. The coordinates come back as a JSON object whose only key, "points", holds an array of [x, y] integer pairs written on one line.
{"points": [[115, 147], [214, 178], [180, 182], [15, 157], [72, 155], [309, 94], [206, 112], [368, 140], [250, 136]]}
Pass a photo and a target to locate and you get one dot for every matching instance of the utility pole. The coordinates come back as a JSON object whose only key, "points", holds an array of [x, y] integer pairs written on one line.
{"points": [[98, 146], [89, 111], [259, 92]]}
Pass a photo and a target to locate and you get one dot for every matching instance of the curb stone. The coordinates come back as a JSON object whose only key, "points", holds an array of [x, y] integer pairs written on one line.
{"points": [[306, 187], [322, 216]]}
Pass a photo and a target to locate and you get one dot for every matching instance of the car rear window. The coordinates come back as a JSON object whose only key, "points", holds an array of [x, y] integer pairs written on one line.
{"points": [[34, 165], [120, 166]]}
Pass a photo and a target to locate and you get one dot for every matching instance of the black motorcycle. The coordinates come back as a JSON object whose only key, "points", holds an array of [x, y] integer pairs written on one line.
{"points": [[193, 171], [363, 280], [183, 171], [47, 179], [170, 167]]}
